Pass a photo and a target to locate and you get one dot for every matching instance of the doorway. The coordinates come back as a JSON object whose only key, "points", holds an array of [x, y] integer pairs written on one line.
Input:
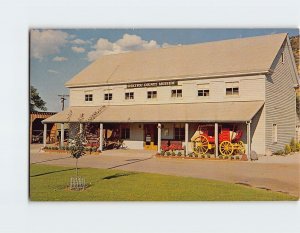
{"points": [[150, 136]]}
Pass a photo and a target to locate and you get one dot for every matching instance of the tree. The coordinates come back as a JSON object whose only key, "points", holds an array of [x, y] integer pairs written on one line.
{"points": [[36, 102]]}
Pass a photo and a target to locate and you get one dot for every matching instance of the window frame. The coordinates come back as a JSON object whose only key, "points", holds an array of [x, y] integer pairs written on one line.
{"points": [[109, 96], [180, 136], [125, 133], [152, 94], [234, 88], [88, 97], [177, 93], [130, 95]]}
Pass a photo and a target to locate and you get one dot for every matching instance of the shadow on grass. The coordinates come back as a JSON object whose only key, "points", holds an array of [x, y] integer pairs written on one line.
{"points": [[124, 164], [117, 175], [57, 171]]}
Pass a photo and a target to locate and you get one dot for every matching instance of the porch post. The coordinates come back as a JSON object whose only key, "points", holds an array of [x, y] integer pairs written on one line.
{"points": [[62, 134], [186, 139], [248, 139], [80, 127], [158, 137], [216, 139], [45, 135], [101, 138]]}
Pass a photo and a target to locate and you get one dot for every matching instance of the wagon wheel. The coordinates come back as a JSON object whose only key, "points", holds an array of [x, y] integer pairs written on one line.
{"points": [[240, 147], [226, 148], [201, 145]]}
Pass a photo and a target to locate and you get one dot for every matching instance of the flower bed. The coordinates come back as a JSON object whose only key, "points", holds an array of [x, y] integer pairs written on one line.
{"points": [[203, 157]]}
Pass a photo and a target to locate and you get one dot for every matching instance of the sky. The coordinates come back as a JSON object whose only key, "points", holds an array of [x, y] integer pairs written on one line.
{"points": [[56, 55]]}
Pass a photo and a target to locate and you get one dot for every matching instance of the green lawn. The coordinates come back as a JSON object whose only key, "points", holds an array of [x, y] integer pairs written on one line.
{"points": [[49, 183]]}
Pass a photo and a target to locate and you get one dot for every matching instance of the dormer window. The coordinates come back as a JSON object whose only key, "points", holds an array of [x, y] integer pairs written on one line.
{"points": [[232, 88]]}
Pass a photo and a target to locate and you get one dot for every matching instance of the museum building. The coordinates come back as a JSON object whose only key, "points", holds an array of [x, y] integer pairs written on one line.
{"points": [[155, 97]]}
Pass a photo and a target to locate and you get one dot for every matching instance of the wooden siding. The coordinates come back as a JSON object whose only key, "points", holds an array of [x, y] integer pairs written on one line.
{"points": [[251, 88], [280, 101]]}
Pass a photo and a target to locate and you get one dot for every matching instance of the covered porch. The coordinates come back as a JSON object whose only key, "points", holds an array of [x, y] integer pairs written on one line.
{"points": [[157, 125]]}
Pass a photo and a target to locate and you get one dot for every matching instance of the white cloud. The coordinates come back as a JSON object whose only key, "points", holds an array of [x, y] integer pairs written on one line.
{"points": [[78, 49], [60, 59], [80, 42], [46, 42], [125, 44], [53, 71]]}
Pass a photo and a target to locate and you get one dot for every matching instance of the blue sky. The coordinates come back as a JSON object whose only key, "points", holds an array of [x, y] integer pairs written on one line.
{"points": [[56, 55]]}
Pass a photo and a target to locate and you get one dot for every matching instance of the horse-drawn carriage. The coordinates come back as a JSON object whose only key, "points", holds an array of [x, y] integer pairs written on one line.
{"points": [[229, 140]]}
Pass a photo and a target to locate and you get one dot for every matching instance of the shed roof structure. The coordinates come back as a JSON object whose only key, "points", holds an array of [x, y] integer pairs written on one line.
{"points": [[238, 111]]}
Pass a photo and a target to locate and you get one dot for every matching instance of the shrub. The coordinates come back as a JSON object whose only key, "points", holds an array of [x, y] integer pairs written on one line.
{"points": [[279, 152], [195, 155], [293, 145], [226, 157], [287, 149], [237, 157], [94, 149], [162, 153], [297, 146], [46, 147], [203, 156], [231, 157], [173, 153], [208, 156], [191, 155], [63, 148], [179, 153], [168, 153], [220, 157]]}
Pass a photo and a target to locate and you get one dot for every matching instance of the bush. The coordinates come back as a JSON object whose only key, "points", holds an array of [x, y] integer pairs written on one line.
{"points": [[168, 153], [237, 157], [287, 149], [297, 146], [191, 155], [279, 152], [208, 156], [94, 149], [46, 147], [226, 157], [203, 156], [231, 157], [162, 153], [63, 148], [220, 157], [293, 145], [173, 153], [179, 153]]}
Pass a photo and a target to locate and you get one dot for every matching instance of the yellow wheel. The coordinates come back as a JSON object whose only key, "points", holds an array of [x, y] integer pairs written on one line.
{"points": [[226, 148], [200, 145], [240, 147]]}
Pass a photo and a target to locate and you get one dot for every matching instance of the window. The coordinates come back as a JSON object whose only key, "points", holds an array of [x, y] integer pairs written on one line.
{"points": [[108, 96], [152, 94], [179, 133], [232, 88], [129, 95], [88, 97], [176, 93], [282, 57], [125, 133], [203, 89], [274, 133]]}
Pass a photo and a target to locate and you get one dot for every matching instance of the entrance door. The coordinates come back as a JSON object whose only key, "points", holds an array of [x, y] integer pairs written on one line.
{"points": [[150, 136]]}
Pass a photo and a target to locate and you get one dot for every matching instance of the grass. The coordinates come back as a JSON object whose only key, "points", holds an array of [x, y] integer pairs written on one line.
{"points": [[49, 183]]}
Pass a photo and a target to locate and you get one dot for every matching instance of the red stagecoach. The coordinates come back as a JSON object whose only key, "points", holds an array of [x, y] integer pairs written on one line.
{"points": [[229, 140]]}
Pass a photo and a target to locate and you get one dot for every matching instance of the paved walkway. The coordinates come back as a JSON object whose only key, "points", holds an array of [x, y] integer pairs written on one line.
{"points": [[280, 174]]}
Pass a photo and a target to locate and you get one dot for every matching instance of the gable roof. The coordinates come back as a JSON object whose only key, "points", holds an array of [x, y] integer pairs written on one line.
{"points": [[221, 58]]}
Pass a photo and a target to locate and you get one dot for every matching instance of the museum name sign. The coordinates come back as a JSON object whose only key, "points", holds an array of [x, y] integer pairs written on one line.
{"points": [[152, 84]]}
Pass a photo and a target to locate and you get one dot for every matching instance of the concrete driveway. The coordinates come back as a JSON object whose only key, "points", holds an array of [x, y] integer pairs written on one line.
{"points": [[279, 174]]}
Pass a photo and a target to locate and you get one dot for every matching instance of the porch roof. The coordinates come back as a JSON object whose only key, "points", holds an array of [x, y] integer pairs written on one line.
{"points": [[238, 111]]}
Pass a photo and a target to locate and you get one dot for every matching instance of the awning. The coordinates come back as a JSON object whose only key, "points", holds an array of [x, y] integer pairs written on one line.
{"points": [[238, 111]]}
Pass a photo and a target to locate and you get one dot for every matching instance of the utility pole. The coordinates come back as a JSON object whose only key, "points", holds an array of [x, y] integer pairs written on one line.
{"points": [[62, 100]]}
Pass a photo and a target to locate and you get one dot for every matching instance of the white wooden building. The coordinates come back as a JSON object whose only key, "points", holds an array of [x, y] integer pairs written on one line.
{"points": [[165, 93]]}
